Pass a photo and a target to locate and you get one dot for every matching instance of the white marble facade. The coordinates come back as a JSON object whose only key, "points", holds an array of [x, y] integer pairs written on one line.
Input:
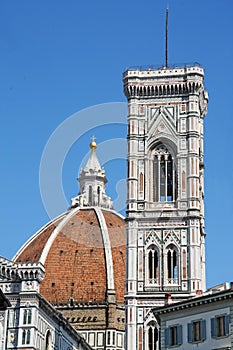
{"points": [[30, 322], [165, 210]]}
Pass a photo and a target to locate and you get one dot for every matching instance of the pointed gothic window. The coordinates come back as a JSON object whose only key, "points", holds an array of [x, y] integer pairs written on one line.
{"points": [[172, 265], [152, 336], [164, 175], [48, 341], [152, 265]]}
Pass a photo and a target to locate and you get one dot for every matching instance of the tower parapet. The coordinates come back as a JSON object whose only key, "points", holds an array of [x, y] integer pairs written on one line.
{"points": [[20, 276]]}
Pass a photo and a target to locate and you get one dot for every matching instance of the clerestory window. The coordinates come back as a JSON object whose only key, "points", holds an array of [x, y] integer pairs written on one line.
{"points": [[164, 175]]}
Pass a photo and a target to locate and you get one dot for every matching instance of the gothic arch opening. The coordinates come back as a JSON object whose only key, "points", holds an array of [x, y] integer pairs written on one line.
{"points": [[152, 336], [152, 264], [172, 264], [165, 176], [48, 341]]}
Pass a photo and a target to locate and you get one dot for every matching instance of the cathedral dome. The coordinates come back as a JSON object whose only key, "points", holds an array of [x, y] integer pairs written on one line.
{"points": [[83, 250]]}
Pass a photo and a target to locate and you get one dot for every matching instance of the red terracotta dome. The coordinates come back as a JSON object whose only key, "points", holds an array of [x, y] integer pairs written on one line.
{"points": [[83, 251], [84, 254]]}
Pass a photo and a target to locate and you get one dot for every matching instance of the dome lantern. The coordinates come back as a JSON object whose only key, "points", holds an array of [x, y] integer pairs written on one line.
{"points": [[92, 182]]}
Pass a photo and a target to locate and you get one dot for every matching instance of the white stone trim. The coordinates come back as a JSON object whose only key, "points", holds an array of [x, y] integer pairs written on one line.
{"points": [[66, 216], [107, 248], [55, 233], [31, 239]]}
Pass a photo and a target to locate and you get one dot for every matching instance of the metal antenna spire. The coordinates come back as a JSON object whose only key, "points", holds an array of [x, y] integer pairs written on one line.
{"points": [[166, 53]]}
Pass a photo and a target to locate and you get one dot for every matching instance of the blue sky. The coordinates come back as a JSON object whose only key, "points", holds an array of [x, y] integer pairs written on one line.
{"points": [[59, 57]]}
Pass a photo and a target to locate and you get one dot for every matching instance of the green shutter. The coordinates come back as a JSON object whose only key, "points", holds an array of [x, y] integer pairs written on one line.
{"points": [[203, 330], [190, 332], [214, 327], [227, 320], [179, 335], [167, 342]]}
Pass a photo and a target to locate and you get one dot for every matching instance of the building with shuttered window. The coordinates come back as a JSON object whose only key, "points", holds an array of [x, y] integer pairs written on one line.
{"points": [[204, 322]]}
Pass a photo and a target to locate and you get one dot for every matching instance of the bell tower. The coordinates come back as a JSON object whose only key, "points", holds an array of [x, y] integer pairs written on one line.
{"points": [[165, 194]]}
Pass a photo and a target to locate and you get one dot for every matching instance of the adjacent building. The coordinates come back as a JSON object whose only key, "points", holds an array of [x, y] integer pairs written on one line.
{"points": [[203, 322]]}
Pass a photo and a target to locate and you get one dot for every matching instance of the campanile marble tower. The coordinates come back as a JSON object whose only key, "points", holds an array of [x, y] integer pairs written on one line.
{"points": [[165, 194]]}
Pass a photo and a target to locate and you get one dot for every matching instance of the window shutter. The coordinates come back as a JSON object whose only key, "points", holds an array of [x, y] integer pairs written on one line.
{"points": [[190, 332], [179, 335], [203, 329], [167, 331], [214, 327], [227, 320]]}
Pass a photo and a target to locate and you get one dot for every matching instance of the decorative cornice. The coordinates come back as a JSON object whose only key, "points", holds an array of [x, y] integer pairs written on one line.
{"points": [[137, 89], [11, 271], [195, 301], [149, 82]]}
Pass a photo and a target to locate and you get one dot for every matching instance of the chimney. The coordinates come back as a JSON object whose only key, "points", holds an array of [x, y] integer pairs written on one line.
{"points": [[168, 299], [199, 292]]}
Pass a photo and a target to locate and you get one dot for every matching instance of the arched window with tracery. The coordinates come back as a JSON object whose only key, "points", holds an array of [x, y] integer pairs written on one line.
{"points": [[152, 336], [172, 264], [164, 175], [152, 265]]}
